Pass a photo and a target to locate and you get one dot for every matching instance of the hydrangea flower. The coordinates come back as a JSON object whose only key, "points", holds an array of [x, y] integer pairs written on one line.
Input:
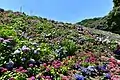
{"points": [[31, 61], [111, 65], [85, 72], [24, 71], [44, 64], [4, 70], [38, 77], [118, 62], [117, 52], [112, 59], [17, 51], [30, 65], [77, 66], [25, 49], [103, 68], [107, 76], [11, 78], [47, 69], [6, 41], [48, 77], [32, 78], [9, 65], [79, 77], [115, 77], [91, 68], [20, 68], [65, 78], [35, 51], [56, 64], [1, 39], [23, 59]]}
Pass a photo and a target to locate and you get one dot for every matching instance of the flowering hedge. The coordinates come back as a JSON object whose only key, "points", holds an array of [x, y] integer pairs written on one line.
{"points": [[33, 48]]}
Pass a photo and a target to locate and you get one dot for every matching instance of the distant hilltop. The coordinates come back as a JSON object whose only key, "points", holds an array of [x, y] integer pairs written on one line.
{"points": [[110, 22]]}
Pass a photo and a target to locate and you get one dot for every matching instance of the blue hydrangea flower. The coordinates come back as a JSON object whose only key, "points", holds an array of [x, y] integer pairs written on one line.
{"points": [[117, 52], [35, 51], [10, 64], [24, 48], [32, 61], [107, 76], [23, 59], [86, 72], [103, 68], [91, 68], [79, 77]]}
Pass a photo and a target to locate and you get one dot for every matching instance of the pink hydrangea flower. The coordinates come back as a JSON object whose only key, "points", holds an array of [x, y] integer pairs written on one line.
{"points": [[30, 65], [115, 77], [11, 78]]}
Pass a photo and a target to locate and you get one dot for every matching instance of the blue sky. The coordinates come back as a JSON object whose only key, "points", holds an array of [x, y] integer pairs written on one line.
{"points": [[60, 10]]}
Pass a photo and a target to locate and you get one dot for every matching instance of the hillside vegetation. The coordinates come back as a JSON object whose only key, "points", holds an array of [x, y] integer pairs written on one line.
{"points": [[35, 48], [110, 22]]}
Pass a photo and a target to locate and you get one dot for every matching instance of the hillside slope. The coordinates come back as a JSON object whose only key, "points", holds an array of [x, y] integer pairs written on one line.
{"points": [[36, 48], [110, 22]]}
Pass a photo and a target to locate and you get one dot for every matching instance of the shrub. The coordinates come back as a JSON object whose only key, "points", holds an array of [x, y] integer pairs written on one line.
{"points": [[70, 46]]}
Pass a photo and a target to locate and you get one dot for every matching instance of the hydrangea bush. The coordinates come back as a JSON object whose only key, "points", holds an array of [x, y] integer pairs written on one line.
{"points": [[33, 48]]}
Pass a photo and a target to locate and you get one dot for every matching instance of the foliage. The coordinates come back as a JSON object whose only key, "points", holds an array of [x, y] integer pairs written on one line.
{"points": [[34, 48], [109, 22], [89, 22], [70, 46], [7, 32]]}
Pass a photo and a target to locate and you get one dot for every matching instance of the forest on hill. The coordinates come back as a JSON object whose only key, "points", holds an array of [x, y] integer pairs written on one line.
{"points": [[110, 22]]}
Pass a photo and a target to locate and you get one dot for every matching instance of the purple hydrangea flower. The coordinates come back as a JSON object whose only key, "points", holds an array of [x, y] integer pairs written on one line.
{"points": [[103, 68], [23, 59], [6, 41], [107, 76], [79, 77], [48, 77], [1, 39], [77, 66], [24, 48], [85, 71], [9, 65], [117, 52]]}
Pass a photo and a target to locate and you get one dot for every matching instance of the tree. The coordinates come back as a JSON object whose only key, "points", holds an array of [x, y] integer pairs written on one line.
{"points": [[113, 18], [116, 3]]}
